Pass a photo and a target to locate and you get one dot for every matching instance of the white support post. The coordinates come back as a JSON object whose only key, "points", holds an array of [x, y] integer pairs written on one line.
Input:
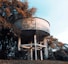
{"points": [[31, 52], [19, 43], [41, 55], [35, 42], [46, 48]]}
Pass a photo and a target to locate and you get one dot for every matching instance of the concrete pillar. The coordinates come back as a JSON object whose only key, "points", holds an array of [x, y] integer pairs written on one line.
{"points": [[41, 55], [19, 43], [35, 42], [31, 52], [46, 48]]}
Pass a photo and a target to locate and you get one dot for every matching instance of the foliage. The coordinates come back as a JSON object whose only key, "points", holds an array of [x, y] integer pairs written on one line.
{"points": [[11, 11]]}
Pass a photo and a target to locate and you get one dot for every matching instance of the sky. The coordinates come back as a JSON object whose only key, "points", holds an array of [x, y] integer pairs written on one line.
{"points": [[56, 12]]}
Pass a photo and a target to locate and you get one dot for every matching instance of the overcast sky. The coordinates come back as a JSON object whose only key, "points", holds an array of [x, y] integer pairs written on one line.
{"points": [[56, 12]]}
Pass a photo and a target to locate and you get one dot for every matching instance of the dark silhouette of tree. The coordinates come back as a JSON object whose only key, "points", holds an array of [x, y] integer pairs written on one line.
{"points": [[10, 10]]}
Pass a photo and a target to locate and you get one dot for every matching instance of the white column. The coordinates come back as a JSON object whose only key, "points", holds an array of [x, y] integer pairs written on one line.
{"points": [[46, 48], [35, 42], [19, 43], [41, 55], [31, 52]]}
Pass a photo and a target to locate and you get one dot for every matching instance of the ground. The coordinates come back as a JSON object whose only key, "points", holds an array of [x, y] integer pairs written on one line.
{"points": [[31, 62]]}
